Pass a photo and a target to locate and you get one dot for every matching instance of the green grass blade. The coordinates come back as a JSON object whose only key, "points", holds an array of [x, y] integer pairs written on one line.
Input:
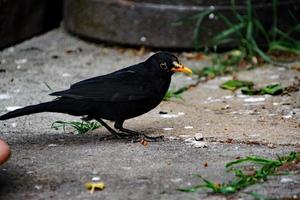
{"points": [[275, 17], [197, 29], [285, 46], [236, 14], [261, 28], [227, 33], [294, 29], [284, 35], [230, 24], [80, 127], [263, 55], [249, 35], [254, 159]]}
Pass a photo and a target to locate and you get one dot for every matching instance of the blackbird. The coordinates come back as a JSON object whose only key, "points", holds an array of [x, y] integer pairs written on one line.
{"points": [[118, 96]]}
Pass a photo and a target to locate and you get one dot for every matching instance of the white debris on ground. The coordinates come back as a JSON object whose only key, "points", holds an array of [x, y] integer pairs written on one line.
{"points": [[96, 178], [288, 115], [188, 127], [176, 180], [4, 96], [286, 180], [66, 75], [52, 145], [21, 61], [254, 99], [168, 129], [184, 136], [212, 100], [12, 108], [171, 115]]}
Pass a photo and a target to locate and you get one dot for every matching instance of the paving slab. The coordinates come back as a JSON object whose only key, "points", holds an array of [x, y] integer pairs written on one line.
{"points": [[51, 164]]}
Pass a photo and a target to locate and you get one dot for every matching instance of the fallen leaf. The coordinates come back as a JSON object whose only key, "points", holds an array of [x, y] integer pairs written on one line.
{"points": [[144, 142], [229, 141], [271, 146], [274, 89], [236, 84], [296, 67], [92, 186]]}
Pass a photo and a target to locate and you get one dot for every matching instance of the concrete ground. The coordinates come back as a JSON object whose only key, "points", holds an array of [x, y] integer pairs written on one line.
{"points": [[51, 164]]}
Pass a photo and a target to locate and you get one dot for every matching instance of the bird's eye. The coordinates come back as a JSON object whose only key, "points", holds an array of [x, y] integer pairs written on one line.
{"points": [[163, 65]]}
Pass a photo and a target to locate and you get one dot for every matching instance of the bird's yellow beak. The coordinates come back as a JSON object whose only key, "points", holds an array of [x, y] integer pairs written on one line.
{"points": [[181, 68]]}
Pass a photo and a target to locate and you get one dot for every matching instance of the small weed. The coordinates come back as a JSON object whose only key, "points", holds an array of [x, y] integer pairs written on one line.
{"points": [[221, 64], [48, 86], [247, 32], [244, 178], [175, 94], [80, 127]]}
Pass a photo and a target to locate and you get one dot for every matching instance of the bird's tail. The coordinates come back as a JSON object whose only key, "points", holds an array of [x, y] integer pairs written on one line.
{"points": [[43, 107]]}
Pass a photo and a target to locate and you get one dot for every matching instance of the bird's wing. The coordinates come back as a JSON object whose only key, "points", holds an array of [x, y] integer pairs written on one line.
{"points": [[123, 85]]}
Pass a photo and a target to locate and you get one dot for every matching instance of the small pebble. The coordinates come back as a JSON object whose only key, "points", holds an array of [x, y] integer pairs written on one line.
{"points": [[168, 129], [198, 137], [52, 145]]}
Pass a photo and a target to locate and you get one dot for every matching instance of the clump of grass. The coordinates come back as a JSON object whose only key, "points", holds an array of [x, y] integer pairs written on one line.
{"points": [[221, 64], [175, 94], [249, 34], [80, 127], [245, 178]]}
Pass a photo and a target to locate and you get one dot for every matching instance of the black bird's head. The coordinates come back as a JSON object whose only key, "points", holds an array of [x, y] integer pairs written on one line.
{"points": [[167, 63]]}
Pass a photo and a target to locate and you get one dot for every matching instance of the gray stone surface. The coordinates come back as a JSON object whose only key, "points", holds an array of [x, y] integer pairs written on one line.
{"points": [[50, 164], [152, 22]]}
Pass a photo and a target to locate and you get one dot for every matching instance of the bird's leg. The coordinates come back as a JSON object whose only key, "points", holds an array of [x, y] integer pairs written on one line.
{"points": [[119, 126], [112, 131]]}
